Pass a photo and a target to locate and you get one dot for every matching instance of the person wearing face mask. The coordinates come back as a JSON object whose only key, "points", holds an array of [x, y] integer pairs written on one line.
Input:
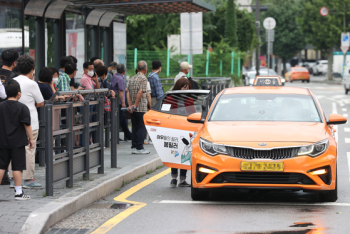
{"points": [[89, 79], [156, 85], [32, 98], [54, 77]]}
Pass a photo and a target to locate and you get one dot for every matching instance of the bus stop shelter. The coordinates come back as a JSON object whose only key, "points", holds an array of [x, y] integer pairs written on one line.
{"points": [[48, 30]]}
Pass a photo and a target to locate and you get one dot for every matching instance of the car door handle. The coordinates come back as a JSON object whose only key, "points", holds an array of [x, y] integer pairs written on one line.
{"points": [[155, 121]]}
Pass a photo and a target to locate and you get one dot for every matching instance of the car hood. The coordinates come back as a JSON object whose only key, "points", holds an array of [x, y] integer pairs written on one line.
{"points": [[229, 132]]}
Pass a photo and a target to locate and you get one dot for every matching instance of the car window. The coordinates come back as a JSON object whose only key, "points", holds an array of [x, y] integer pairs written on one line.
{"points": [[182, 104], [265, 107]]}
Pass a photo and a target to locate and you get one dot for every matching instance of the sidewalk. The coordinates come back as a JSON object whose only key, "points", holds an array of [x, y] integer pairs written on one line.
{"points": [[324, 79], [13, 214]]}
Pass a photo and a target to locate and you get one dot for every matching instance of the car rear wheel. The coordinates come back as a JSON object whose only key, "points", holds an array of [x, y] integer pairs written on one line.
{"points": [[332, 195], [302, 81], [198, 195], [346, 91], [308, 81]]}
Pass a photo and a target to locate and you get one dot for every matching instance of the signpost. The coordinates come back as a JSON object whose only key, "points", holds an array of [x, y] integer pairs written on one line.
{"points": [[345, 43], [269, 25], [324, 11], [191, 34]]}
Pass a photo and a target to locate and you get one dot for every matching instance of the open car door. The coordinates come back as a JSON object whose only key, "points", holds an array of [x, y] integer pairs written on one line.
{"points": [[169, 129]]}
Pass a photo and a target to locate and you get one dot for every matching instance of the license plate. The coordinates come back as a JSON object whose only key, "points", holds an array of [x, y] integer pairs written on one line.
{"points": [[262, 166]]}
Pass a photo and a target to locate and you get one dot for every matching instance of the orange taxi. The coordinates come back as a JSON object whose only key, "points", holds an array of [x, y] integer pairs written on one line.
{"points": [[299, 73], [264, 136]]}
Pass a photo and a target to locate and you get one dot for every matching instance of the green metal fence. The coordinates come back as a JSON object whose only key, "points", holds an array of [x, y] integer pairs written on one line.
{"points": [[209, 64]]}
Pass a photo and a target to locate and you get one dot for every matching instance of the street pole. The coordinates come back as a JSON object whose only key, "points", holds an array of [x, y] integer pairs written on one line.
{"points": [[191, 58], [344, 25], [257, 24]]}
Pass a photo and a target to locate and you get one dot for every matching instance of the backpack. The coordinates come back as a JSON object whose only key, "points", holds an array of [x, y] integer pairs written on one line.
{"points": [[194, 84]]}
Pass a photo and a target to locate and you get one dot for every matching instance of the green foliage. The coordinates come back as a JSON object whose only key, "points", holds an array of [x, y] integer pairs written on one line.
{"points": [[149, 32], [231, 24], [323, 32], [289, 38], [245, 30]]}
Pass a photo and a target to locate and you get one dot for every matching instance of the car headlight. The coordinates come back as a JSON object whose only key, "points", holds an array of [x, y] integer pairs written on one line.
{"points": [[211, 148], [314, 149]]}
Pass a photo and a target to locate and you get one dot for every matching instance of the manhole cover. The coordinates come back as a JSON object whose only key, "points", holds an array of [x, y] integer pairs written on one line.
{"points": [[120, 206]]}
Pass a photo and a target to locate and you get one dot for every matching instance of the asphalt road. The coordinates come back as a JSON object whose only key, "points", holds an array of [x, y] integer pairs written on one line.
{"points": [[162, 209]]}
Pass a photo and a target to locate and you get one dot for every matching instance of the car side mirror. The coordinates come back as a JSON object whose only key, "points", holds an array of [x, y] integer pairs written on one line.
{"points": [[336, 119], [195, 118]]}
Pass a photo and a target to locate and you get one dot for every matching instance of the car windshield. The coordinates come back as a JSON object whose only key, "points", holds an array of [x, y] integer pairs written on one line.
{"points": [[265, 107]]}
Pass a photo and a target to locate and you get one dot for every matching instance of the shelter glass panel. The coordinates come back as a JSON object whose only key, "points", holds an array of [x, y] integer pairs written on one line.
{"points": [[11, 26], [75, 44]]}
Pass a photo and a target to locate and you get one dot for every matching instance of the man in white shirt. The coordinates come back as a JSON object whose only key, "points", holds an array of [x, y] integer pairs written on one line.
{"points": [[184, 69], [2, 91], [32, 98]]}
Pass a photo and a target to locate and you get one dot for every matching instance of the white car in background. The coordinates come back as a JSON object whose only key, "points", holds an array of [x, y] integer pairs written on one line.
{"points": [[320, 68], [263, 72]]}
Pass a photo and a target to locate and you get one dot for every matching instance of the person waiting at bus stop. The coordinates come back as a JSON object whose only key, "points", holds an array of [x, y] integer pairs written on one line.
{"points": [[180, 105], [136, 88], [32, 98], [118, 86], [155, 83]]}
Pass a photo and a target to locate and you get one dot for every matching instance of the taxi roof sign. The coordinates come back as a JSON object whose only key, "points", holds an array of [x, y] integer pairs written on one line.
{"points": [[267, 81]]}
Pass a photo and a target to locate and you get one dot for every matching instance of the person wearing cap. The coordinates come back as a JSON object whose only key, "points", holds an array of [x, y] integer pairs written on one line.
{"points": [[184, 69]]}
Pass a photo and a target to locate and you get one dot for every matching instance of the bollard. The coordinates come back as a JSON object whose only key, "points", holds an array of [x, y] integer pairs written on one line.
{"points": [[117, 117], [99, 133], [114, 135], [69, 143], [86, 137], [41, 138], [49, 150], [107, 120]]}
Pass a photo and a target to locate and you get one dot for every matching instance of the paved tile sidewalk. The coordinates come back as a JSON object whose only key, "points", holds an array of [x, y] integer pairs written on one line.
{"points": [[13, 214]]}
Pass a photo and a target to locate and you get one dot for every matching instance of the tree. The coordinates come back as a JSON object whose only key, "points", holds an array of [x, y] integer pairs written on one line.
{"points": [[288, 36], [323, 32], [231, 24]]}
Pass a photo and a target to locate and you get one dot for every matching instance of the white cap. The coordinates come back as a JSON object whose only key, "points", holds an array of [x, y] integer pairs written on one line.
{"points": [[185, 65]]}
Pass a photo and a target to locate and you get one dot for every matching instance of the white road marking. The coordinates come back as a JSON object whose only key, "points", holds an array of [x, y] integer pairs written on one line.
{"points": [[334, 108], [346, 129], [335, 111], [344, 109], [348, 156], [341, 104], [251, 203], [347, 140], [345, 115]]}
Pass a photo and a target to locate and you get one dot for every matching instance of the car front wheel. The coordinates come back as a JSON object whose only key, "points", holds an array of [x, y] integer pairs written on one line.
{"points": [[198, 195], [332, 195]]}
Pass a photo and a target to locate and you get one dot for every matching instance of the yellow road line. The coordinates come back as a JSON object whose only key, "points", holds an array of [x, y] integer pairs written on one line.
{"points": [[123, 198]]}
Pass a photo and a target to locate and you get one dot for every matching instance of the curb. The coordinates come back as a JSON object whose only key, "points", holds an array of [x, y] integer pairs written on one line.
{"points": [[40, 220]]}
